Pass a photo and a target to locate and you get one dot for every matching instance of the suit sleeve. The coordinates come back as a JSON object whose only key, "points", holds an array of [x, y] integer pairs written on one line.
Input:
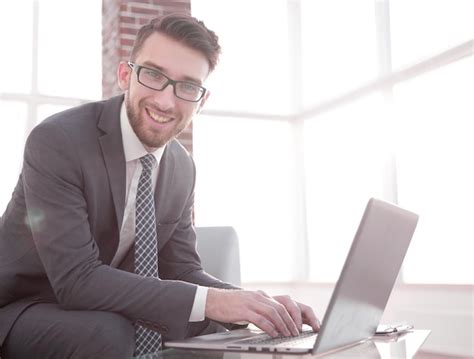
{"points": [[58, 218]]}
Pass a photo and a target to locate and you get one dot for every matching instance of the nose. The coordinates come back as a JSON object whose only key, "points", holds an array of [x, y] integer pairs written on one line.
{"points": [[165, 99]]}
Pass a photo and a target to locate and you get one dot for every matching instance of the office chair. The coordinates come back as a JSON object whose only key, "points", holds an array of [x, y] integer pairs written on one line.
{"points": [[218, 248]]}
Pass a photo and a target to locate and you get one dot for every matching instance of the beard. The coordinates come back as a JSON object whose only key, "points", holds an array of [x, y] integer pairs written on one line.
{"points": [[149, 136]]}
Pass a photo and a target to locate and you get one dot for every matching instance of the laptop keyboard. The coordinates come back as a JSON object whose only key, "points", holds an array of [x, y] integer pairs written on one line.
{"points": [[289, 341]]}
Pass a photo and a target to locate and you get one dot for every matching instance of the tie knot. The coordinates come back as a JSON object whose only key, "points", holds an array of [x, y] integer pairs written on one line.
{"points": [[148, 162]]}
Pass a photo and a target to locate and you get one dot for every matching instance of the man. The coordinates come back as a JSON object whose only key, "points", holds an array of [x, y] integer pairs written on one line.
{"points": [[97, 246]]}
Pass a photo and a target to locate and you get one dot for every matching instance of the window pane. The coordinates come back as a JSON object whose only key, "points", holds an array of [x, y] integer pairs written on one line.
{"points": [[436, 172], [12, 139], [70, 48], [16, 36], [245, 181], [338, 47], [346, 154], [253, 74], [421, 28]]}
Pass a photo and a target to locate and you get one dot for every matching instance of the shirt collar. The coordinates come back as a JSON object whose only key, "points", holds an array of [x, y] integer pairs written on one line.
{"points": [[132, 147]]}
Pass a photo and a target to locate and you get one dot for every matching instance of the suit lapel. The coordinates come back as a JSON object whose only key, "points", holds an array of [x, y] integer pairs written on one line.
{"points": [[112, 151], [165, 179]]}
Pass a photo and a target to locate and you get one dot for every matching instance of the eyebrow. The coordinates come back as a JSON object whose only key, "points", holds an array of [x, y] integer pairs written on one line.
{"points": [[159, 68]]}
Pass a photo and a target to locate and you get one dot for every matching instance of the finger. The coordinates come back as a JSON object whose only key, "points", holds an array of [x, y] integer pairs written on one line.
{"points": [[288, 319], [263, 293], [309, 317], [259, 310], [263, 323], [271, 313], [290, 325], [294, 310]]}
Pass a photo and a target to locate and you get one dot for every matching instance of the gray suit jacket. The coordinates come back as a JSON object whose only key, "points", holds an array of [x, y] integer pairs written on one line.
{"points": [[61, 228]]}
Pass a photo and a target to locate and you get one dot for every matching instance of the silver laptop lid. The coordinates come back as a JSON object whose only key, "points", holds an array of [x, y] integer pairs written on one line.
{"points": [[368, 275]]}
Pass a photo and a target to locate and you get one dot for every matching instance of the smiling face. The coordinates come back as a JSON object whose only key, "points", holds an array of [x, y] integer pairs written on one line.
{"points": [[158, 116]]}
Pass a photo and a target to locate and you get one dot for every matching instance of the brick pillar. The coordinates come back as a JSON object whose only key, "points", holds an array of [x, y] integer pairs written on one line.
{"points": [[121, 20]]}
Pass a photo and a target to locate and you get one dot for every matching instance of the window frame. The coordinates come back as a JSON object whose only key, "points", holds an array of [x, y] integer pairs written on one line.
{"points": [[383, 84]]}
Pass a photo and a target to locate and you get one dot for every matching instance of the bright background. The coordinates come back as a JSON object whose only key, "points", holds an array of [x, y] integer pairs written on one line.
{"points": [[289, 174], [316, 106]]}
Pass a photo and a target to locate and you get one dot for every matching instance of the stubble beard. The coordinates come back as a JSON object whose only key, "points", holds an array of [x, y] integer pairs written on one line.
{"points": [[151, 139]]}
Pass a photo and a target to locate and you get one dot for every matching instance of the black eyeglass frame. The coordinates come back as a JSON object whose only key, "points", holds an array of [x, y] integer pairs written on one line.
{"points": [[173, 83]]}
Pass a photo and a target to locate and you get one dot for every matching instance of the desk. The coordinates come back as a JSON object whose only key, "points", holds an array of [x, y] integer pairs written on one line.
{"points": [[404, 346]]}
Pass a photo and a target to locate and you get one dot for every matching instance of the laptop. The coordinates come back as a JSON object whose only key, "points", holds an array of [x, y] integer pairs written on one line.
{"points": [[358, 300]]}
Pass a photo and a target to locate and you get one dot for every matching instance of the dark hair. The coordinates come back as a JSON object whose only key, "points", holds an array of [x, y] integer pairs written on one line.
{"points": [[185, 29]]}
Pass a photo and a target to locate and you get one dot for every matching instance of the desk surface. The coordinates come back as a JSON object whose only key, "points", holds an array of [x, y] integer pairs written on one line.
{"points": [[405, 346]]}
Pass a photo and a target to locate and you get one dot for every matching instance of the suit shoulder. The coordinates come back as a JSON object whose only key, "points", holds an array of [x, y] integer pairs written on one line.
{"points": [[179, 150], [181, 155], [86, 114], [76, 115], [178, 147], [82, 119]]}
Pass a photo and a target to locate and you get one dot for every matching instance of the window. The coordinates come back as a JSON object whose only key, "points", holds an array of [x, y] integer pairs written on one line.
{"points": [[70, 53], [51, 62], [254, 59], [12, 135], [346, 157], [422, 28], [18, 47], [244, 179], [338, 47], [353, 131], [245, 165], [435, 171]]}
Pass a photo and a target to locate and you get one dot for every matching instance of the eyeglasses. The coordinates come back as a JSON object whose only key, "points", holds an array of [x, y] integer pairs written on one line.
{"points": [[157, 80]]}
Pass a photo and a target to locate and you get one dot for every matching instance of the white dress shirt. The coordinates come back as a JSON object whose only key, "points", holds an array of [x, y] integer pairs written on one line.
{"points": [[133, 150]]}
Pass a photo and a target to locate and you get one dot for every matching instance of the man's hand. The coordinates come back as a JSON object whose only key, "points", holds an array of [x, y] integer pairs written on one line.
{"points": [[276, 316]]}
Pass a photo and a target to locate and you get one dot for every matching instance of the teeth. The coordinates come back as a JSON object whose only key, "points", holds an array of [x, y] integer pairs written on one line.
{"points": [[158, 118]]}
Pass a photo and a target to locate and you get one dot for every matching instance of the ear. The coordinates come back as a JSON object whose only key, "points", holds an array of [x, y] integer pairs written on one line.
{"points": [[124, 73], [203, 101]]}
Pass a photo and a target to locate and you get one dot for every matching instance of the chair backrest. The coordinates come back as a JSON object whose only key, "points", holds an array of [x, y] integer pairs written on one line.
{"points": [[218, 248]]}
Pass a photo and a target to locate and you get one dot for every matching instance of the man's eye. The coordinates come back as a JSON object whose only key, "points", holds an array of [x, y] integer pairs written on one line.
{"points": [[189, 88], [153, 75]]}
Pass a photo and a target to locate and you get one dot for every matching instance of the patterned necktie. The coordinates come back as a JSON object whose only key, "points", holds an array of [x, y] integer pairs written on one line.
{"points": [[146, 258]]}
